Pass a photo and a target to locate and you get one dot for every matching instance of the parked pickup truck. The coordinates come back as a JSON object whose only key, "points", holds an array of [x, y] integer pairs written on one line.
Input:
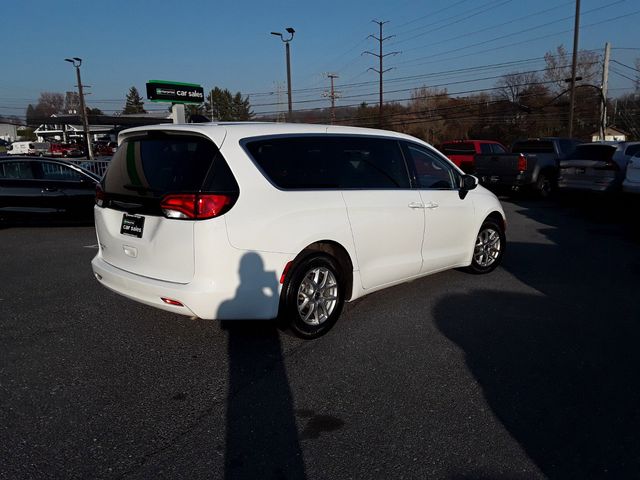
{"points": [[532, 164], [462, 152]]}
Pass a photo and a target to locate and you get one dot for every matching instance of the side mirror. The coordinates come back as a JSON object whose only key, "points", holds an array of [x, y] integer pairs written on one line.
{"points": [[469, 182]]}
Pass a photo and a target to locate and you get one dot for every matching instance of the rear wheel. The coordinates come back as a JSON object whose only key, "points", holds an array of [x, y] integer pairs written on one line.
{"points": [[489, 247], [544, 186], [313, 296]]}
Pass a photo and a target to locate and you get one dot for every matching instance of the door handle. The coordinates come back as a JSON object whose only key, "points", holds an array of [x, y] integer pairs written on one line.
{"points": [[49, 189], [431, 205], [416, 205]]}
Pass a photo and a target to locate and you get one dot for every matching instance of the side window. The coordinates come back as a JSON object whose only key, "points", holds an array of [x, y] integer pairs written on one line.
{"points": [[497, 148], [486, 148], [364, 163], [16, 170], [331, 162], [55, 171], [431, 171]]}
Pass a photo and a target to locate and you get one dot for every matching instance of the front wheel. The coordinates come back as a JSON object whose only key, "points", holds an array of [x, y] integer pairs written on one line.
{"points": [[489, 247], [313, 296]]}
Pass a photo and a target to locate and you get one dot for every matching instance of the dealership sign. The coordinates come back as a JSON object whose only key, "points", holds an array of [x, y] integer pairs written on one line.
{"points": [[175, 92]]}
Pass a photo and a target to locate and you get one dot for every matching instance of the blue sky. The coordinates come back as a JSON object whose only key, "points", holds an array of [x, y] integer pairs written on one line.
{"points": [[227, 44]]}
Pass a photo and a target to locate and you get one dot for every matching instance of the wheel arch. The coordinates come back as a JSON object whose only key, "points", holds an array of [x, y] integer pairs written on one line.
{"points": [[335, 250]]}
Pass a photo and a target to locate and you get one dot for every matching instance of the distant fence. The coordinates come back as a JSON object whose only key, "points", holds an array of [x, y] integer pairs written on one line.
{"points": [[95, 166]]}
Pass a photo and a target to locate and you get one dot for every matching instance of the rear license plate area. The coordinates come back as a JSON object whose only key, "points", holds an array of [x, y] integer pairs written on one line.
{"points": [[132, 225], [580, 171]]}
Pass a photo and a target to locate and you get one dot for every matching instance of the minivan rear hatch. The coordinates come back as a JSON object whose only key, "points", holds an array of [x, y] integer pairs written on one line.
{"points": [[134, 231]]}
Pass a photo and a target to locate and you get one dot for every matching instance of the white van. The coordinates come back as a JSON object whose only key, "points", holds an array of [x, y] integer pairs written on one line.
{"points": [[289, 221], [29, 148]]}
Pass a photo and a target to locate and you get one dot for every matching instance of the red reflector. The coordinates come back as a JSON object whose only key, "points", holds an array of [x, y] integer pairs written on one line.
{"points": [[99, 195], [522, 163], [170, 301], [287, 267], [194, 206]]}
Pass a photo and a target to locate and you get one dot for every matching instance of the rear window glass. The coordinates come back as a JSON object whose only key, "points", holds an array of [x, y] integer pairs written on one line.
{"points": [[320, 162], [533, 146], [462, 148], [593, 152], [160, 163]]}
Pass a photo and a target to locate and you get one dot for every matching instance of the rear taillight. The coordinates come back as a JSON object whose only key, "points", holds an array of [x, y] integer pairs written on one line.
{"points": [[99, 195], [195, 206], [522, 163]]}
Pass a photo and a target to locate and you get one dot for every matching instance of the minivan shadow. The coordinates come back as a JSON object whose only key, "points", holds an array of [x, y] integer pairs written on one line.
{"points": [[261, 433]]}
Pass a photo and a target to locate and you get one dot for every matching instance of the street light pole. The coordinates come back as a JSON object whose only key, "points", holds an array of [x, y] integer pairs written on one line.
{"points": [[76, 62], [291, 32]]}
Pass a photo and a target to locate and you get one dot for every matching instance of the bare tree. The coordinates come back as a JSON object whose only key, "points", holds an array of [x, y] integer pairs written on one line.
{"points": [[559, 67], [49, 103], [514, 85]]}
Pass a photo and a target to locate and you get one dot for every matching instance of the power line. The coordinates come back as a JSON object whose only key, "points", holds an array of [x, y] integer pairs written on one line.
{"points": [[627, 66]]}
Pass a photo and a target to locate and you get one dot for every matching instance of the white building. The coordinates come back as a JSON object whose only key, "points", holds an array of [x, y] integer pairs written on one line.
{"points": [[65, 132], [8, 132], [611, 134]]}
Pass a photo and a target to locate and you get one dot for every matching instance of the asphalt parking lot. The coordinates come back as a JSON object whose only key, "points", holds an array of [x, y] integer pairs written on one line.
{"points": [[529, 372]]}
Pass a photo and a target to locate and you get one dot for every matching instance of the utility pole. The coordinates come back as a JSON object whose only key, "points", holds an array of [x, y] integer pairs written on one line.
{"points": [[572, 101], [279, 91], [332, 94], [605, 87], [380, 56]]}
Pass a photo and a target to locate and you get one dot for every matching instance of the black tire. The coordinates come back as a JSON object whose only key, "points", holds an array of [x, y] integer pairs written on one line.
{"points": [[544, 186], [320, 312], [489, 247]]}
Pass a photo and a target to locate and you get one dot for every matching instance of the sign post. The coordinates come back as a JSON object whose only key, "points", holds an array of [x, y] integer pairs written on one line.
{"points": [[176, 93]]}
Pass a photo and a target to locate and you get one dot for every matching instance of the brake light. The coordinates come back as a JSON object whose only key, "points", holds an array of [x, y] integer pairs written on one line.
{"points": [[99, 195], [522, 163], [195, 206]]}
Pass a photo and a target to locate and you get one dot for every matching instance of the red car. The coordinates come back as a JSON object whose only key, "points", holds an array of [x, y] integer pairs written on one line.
{"points": [[462, 152]]}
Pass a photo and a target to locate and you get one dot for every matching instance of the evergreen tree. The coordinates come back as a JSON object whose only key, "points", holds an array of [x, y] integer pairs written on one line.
{"points": [[223, 106], [134, 103]]}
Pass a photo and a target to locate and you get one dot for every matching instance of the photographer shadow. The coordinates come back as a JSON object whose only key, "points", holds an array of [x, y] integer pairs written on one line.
{"points": [[261, 434]]}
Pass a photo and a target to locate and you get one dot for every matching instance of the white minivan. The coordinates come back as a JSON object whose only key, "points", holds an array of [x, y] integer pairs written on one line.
{"points": [[29, 148], [289, 221]]}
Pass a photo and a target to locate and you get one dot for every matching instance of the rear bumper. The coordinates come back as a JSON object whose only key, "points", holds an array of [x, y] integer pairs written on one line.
{"points": [[601, 185], [203, 298], [505, 181]]}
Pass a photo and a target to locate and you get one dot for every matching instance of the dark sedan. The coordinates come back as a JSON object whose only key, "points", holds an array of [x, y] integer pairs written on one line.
{"points": [[45, 188]]}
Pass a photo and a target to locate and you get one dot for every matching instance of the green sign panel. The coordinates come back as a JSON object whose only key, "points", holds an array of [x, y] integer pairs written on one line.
{"points": [[174, 92]]}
